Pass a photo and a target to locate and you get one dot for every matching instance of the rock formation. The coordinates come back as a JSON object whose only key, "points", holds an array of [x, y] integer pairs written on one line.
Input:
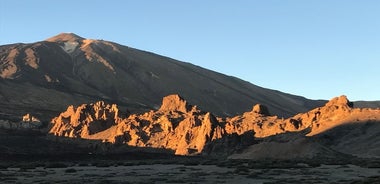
{"points": [[186, 130], [85, 120], [326, 131], [174, 103], [261, 109], [29, 118], [27, 122], [176, 126]]}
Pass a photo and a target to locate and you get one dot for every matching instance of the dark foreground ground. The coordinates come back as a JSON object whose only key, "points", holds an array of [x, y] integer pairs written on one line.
{"points": [[31, 157], [188, 170]]}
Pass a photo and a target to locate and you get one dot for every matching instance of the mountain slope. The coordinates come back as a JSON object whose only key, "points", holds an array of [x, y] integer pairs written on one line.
{"points": [[367, 104], [79, 70]]}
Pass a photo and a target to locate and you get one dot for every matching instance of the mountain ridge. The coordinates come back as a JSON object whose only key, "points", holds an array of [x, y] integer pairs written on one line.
{"points": [[88, 70]]}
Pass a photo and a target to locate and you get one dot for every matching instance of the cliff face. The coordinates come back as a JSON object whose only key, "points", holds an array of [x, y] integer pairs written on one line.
{"points": [[176, 126], [85, 120], [186, 130]]}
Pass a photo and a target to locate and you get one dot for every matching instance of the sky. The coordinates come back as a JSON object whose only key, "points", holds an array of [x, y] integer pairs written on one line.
{"points": [[318, 49]]}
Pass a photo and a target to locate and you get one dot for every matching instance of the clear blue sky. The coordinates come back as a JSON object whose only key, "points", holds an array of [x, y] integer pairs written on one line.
{"points": [[314, 48]]}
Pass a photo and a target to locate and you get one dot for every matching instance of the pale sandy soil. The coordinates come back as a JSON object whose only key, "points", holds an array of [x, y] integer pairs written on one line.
{"points": [[188, 174]]}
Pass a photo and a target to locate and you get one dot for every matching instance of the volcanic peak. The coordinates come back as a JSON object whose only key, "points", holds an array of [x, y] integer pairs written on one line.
{"points": [[65, 37]]}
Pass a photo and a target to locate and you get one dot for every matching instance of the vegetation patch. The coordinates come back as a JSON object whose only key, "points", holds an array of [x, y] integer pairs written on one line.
{"points": [[56, 165], [71, 170]]}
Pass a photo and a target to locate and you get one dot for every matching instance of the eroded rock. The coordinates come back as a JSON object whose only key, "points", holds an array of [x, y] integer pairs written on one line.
{"points": [[186, 130]]}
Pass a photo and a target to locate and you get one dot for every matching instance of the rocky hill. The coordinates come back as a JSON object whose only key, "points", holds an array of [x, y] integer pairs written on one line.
{"points": [[45, 77], [186, 130], [336, 128]]}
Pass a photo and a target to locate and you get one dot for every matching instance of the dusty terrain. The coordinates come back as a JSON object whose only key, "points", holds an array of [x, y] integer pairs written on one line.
{"points": [[161, 171]]}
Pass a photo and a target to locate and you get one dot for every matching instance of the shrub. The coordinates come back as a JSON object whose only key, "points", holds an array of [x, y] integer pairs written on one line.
{"points": [[83, 164], [103, 164], [71, 170], [56, 165]]}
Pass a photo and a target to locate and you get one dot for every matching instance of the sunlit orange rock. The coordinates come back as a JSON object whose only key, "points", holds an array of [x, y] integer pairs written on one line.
{"points": [[186, 130], [176, 125], [174, 103], [85, 120]]}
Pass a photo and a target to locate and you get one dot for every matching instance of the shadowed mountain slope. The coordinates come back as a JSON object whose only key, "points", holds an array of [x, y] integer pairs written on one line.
{"points": [[47, 76], [367, 104]]}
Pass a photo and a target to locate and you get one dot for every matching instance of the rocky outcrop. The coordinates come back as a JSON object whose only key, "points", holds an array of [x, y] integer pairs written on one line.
{"points": [[186, 130], [336, 128], [176, 125], [261, 109], [85, 120], [31, 119], [27, 122], [174, 103], [336, 112]]}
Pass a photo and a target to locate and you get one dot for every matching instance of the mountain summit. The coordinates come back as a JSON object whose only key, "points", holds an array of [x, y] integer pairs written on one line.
{"points": [[65, 37], [47, 76]]}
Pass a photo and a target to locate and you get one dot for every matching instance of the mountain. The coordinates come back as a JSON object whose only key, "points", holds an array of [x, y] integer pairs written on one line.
{"points": [[367, 104], [45, 77]]}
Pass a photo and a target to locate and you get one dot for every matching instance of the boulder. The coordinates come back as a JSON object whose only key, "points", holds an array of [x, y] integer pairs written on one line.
{"points": [[261, 109], [174, 103]]}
